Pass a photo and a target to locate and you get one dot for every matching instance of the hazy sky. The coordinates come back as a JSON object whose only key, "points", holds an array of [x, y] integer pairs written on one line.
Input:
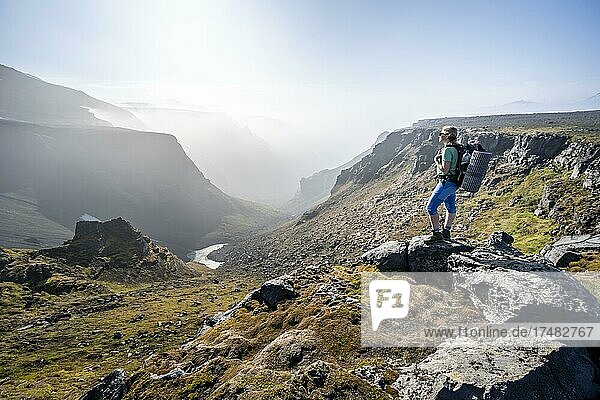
{"points": [[338, 72]]}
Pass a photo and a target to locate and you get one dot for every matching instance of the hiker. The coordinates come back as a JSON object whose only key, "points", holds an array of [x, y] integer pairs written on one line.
{"points": [[446, 162]]}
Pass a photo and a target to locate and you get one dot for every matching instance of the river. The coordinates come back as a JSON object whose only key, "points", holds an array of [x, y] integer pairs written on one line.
{"points": [[201, 256]]}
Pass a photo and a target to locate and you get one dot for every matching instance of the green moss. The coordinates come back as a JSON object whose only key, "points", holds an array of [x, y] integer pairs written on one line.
{"points": [[197, 384], [510, 207], [65, 358], [590, 261]]}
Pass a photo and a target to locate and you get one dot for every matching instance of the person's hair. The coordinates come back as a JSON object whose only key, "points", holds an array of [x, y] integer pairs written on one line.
{"points": [[451, 131]]}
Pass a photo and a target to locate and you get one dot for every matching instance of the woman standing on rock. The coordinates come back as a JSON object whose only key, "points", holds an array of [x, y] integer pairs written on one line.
{"points": [[446, 162]]}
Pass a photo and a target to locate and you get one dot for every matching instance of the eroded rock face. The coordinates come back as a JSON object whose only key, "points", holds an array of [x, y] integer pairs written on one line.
{"points": [[382, 156], [454, 372], [530, 150], [584, 160], [117, 251], [111, 387], [569, 248]]}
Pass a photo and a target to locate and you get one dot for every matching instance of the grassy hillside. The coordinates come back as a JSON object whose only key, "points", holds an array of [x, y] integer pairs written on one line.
{"points": [[23, 226]]}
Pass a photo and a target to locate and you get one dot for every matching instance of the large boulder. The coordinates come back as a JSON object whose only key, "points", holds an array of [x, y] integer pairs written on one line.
{"points": [[390, 256], [275, 291], [462, 372], [569, 248], [432, 257]]}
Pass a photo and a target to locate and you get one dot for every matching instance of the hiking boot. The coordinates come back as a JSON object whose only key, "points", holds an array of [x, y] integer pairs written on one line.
{"points": [[436, 236], [446, 234]]}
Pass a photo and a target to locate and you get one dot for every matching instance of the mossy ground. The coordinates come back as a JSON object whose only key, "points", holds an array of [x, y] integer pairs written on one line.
{"points": [[510, 206], [336, 329], [64, 359], [590, 261]]}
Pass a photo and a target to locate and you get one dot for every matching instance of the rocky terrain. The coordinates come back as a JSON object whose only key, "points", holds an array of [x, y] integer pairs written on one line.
{"points": [[298, 337], [281, 318], [108, 298], [542, 184]]}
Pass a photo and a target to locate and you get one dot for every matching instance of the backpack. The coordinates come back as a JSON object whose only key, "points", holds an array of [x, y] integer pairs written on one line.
{"points": [[465, 153]]}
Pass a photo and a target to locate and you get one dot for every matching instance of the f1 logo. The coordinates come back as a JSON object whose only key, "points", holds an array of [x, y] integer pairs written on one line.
{"points": [[389, 299]]}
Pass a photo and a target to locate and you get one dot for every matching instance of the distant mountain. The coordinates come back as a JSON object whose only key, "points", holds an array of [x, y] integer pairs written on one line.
{"points": [[591, 103], [231, 155], [108, 172], [24, 97], [524, 106], [317, 187], [59, 162]]}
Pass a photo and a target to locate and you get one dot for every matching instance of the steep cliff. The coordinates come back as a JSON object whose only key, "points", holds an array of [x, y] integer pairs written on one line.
{"points": [[107, 172], [542, 183]]}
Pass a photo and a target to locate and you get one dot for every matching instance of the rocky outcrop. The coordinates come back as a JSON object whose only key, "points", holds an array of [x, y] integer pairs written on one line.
{"points": [[493, 277], [390, 256], [569, 249], [495, 143], [432, 257], [530, 150], [111, 251], [117, 251], [112, 387], [424, 157], [415, 256], [463, 372]]}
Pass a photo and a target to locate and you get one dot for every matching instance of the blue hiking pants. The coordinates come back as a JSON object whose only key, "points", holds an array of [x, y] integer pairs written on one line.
{"points": [[443, 193]]}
